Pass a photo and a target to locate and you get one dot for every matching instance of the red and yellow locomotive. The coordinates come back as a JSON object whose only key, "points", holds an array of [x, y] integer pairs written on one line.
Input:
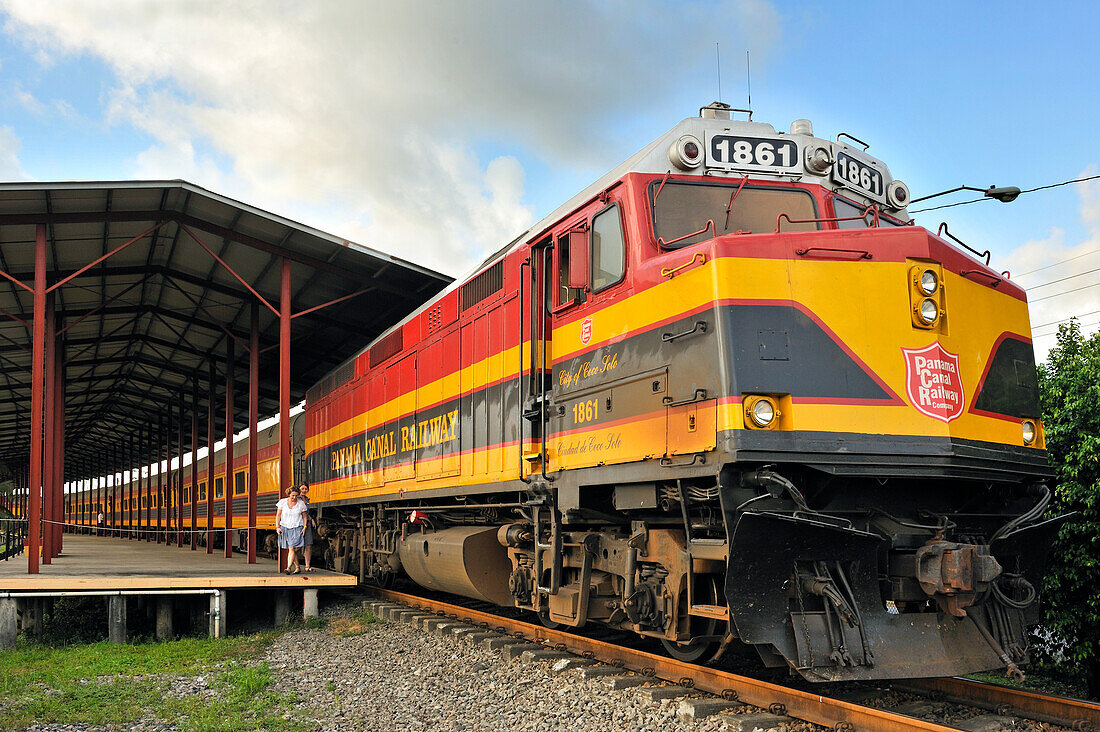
{"points": [[727, 396]]}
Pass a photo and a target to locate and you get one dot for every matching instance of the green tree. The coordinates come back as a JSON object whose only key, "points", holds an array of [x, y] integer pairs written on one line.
{"points": [[1069, 385]]}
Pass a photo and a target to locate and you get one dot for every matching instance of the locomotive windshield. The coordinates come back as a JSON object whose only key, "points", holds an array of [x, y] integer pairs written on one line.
{"points": [[686, 208], [845, 211]]}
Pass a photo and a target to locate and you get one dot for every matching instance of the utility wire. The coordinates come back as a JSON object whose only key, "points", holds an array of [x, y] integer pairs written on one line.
{"points": [[1063, 292], [1029, 190], [1064, 261], [1065, 320], [1062, 279]]}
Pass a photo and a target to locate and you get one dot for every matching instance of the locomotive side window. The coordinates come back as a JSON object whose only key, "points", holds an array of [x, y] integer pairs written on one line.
{"points": [[566, 294], [202, 491], [690, 208], [608, 249], [845, 209], [240, 483], [219, 487]]}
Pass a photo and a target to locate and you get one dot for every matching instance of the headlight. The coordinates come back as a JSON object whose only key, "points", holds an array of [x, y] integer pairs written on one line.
{"points": [[897, 193], [763, 412], [928, 310], [1029, 431], [928, 282], [818, 160], [686, 153]]}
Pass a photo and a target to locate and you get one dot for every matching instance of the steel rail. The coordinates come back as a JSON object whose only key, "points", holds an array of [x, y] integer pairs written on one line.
{"points": [[815, 708], [1076, 714]]}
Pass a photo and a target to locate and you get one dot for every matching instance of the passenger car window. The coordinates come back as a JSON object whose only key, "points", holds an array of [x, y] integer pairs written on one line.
{"points": [[608, 249]]}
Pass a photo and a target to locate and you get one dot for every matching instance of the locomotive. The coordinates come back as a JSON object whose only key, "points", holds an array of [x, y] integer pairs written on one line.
{"points": [[728, 397]]}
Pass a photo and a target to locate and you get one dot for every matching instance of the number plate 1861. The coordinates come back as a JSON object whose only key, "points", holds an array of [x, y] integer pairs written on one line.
{"points": [[727, 151], [859, 176]]}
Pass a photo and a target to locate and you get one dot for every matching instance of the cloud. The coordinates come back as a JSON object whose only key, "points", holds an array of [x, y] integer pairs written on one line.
{"points": [[10, 168], [380, 113], [1063, 278]]}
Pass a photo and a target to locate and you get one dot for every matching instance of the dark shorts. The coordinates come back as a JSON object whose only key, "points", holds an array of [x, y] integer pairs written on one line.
{"points": [[290, 538], [307, 540]]}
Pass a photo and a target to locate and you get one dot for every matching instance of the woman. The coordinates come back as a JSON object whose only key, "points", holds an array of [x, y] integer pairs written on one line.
{"points": [[290, 519], [307, 539]]}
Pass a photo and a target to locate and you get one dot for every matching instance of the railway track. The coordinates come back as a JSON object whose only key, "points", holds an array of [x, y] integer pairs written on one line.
{"points": [[838, 714]]}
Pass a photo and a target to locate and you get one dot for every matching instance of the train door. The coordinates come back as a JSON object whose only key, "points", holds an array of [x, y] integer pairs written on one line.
{"points": [[400, 408], [609, 384], [437, 408]]}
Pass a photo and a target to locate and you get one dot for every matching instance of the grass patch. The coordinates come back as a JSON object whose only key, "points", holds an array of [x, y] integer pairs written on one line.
{"points": [[1036, 681], [105, 684], [355, 623]]}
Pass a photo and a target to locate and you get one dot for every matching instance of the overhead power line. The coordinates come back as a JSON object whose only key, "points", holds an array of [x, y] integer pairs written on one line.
{"points": [[1063, 292], [1028, 190], [1062, 279], [1065, 320], [1064, 261]]}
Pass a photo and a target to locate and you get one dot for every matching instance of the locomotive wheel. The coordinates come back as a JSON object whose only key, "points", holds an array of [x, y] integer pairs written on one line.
{"points": [[544, 618], [707, 592]]}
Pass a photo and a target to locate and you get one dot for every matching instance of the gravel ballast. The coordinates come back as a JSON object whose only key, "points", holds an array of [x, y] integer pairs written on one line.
{"points": [[395, 676]]}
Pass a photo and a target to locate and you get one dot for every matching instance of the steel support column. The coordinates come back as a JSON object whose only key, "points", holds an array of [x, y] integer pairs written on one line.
{"points": [[230, 478], [49, 518], [285, 316], [59, 441], [179, 476], [210, 459], [34, 525], [253, 419], [195, 463], [157, 446]]}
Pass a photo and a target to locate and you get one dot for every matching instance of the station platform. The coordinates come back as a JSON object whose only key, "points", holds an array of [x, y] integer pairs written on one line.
{"points": [[107, 563]]}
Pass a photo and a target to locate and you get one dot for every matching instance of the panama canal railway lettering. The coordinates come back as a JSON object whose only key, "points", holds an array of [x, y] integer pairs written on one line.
{"points": [[430, 432]]}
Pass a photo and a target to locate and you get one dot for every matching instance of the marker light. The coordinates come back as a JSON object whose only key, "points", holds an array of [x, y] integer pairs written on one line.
{"points": [[897, 193], [928, 282], [1029, 431], [928, 310], [761, 411]]}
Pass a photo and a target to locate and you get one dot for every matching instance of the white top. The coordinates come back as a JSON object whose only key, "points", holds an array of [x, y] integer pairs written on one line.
{"points": [[292, 516]]}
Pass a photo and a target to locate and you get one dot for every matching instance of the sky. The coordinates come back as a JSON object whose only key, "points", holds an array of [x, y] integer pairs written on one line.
{"points": [[437, 132]]}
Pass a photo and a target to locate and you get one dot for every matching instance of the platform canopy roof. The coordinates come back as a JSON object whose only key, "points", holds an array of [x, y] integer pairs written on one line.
{"points": [[139, 329]]}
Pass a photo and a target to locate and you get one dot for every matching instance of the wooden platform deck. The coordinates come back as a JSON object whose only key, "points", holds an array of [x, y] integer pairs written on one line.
{"points": [[102, 563]]}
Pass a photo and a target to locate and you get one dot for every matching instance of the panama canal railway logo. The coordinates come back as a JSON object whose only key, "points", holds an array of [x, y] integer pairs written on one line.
{"points": [[586, 331], [933, 381]]}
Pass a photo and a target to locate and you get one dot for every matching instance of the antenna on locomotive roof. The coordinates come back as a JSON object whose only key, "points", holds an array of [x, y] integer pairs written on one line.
{"points": [[748, 78], [718, 62]]}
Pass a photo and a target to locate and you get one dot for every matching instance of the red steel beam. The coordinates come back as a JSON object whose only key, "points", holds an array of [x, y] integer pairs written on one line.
{"points": [[210, 461], [253, 418], [160, 479], [331, 302], [50, 518], [229, 269], [230, 481], [194, 464], [108, 255], [38, 338], [284, 384], [179, 477], [59, 440]]}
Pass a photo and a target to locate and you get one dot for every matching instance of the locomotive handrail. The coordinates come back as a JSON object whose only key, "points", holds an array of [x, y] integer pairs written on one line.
{"points": [[710, 225], [671, 271], [700, 326], [698, 396], [863, 253], [871, 209], [994, 278], [697, 458], [944, 230]]}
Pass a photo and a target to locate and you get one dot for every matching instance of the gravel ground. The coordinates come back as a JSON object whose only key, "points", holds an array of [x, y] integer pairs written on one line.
{"points": [[395, 676]]}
